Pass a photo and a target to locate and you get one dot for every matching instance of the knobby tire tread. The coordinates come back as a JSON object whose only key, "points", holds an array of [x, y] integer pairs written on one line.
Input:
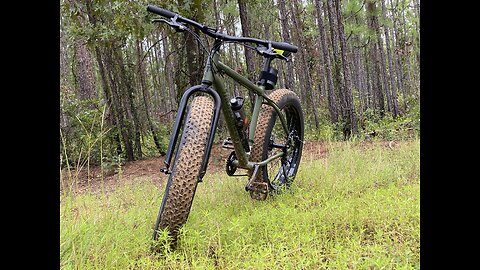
{"points": [[264, 125], [182, 182]]}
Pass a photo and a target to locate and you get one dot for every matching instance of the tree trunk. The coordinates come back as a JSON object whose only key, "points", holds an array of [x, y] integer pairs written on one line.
{"points": [[245, 21], [332, 101], [406, 57], [398, 63], [304, 53], [118, 101], [350, 106], [128, 93], [143, 86], [299, 60], [337, 59], [84, 72], [83, 75], [382, 66], [377, 89], [113, 114], [194, 55], [286, 38], [341, 68], [169, 74], [369, 78], [393, 93], [358, 73]]}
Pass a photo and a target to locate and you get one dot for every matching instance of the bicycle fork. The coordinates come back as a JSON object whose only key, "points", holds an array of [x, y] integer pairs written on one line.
{"points": [[203, 88]]}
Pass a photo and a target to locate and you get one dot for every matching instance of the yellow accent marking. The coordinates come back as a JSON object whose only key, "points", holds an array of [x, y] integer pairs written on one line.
{"points": [[279, 51]]}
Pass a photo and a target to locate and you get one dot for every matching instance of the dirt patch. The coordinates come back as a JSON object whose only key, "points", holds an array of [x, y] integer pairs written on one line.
{"points": [[82, 180], [314, 149]]}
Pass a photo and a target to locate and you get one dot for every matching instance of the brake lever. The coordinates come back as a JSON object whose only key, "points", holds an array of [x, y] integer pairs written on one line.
{"points": [[179, 27], [262, 50]]}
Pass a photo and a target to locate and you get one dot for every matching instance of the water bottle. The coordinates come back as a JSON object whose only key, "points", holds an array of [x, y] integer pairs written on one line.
{"points": [[241, 121]]}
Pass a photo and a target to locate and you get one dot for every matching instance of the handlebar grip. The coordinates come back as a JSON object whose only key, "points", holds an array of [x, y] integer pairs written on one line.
{"points": [[160, 11], [284, 46]]}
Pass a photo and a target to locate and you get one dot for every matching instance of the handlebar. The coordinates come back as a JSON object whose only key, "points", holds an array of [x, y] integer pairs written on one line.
{"points": [[213, 33], [284, 46], [160, 11]]}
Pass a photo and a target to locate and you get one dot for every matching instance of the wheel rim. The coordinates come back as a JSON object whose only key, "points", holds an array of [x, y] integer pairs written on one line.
{"points": [[281, 171]]}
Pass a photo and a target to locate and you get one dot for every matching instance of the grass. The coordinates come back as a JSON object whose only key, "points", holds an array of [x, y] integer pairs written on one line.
{"points": [[356, 208]]}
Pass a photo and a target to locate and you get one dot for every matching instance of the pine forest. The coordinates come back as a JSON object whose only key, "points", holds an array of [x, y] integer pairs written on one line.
{"points": [[357, 70]]}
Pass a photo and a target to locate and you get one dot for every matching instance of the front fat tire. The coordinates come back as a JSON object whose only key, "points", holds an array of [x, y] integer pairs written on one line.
{"points": [[182, 183], [263, 131]]}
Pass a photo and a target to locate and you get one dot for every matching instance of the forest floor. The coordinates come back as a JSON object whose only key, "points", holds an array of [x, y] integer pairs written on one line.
{"points": [[83, 180]]}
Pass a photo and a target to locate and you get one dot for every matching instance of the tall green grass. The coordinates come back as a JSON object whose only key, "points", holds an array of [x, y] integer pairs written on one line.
{"points": [[356, 208]]}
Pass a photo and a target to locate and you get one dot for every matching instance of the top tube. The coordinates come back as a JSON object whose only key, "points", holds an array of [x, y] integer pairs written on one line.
{"points": [[213, 33]]}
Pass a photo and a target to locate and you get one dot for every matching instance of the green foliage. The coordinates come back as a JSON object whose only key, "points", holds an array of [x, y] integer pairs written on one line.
{"points": [[86, 137], [114, 20], [405, 127], [326, 131], [113, 164], [104, 25], [229, 8], [163, 131], [82, 129], [388, 128]]}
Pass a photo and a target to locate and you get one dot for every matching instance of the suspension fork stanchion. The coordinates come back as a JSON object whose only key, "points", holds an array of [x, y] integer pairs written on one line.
{"points": [[176, 128]]}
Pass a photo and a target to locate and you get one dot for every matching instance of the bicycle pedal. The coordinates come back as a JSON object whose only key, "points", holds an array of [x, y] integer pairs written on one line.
{"points": [[258, 187]]}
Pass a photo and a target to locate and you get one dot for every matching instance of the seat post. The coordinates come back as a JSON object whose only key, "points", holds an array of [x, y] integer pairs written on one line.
{"points": [[268, 75]]}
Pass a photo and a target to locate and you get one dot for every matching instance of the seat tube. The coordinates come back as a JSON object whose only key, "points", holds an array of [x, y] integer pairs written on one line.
{"points": [[255, 114]]}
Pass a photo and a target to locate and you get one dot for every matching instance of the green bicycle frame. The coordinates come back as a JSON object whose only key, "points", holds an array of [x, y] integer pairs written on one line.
{"points": [[212, 75]]}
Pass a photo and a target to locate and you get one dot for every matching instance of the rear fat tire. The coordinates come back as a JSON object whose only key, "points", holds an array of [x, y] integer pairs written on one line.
{"points": [[266, 122], [182, 183]]}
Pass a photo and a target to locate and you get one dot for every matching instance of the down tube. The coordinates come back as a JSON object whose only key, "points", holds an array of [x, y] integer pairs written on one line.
{"points": [[230, 121], [259, 90]]}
